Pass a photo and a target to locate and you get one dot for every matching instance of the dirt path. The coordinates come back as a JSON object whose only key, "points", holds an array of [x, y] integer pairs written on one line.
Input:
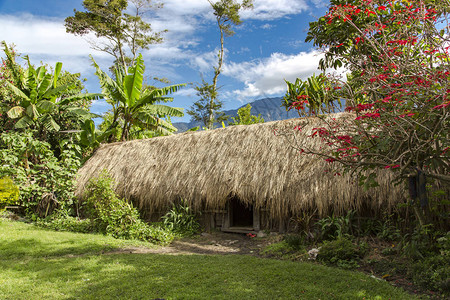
{"points": [[217, 243]]}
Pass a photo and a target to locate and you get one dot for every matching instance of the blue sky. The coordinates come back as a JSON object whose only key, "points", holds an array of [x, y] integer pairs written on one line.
{"points": [[267, 48]]}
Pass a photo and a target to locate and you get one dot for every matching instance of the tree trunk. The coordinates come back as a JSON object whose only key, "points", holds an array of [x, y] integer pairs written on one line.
{"points": [[216, 76]]}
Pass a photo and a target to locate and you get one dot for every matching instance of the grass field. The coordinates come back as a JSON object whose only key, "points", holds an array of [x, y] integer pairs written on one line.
{"points": [[42, 264]]}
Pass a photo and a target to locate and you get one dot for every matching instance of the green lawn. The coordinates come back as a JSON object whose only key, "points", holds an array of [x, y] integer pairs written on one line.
{"points": [[42, 264]]}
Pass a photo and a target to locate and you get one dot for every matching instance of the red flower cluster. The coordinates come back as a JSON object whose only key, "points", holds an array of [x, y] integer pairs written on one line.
{"points": [[300, 105], [373, 115], [446, 104], [321, 132], [360, 107]]}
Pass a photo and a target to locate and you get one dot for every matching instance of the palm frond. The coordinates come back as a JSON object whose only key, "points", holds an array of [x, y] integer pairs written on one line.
{"points": [[49, 123], [58, 90], [156, 95], [111, 89], [164, 110], [24, 122], [58, 68], [133, 81], [19, 93], [45, 106], [87, 96], [15, 112], [11, 63], [44, 84]]}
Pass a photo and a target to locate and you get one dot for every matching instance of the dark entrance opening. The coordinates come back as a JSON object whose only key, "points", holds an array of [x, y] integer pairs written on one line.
{"points": [[241, 214]]}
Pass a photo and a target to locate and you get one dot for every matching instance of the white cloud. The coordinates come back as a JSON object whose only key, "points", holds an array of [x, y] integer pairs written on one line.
{"points": [[186, 7], [263, 9], [187, 92], [46, 40], [206, 61], [274, 9], [35, 35], [266, 26], [266, 76]]}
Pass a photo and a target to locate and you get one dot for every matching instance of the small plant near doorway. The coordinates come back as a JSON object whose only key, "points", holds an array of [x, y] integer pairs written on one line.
{"points": [[181, 220]]}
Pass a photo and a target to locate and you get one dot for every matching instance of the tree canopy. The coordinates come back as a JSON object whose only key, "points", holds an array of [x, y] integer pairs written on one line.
{"points": [[110, 20], [397, 88]]}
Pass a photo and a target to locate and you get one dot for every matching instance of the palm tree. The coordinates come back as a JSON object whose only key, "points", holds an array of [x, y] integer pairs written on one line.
{"points": [[135, 104]]}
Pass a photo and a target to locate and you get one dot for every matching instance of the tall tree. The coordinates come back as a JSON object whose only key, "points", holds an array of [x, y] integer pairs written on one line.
{"points": [[226, 13], [398, 53], [108, 19]]}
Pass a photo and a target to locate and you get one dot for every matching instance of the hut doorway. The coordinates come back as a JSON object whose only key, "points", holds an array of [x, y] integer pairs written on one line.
{"points": [[241, 215], [240, 218]]}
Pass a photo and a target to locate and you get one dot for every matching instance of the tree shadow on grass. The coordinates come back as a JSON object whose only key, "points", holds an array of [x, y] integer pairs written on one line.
{"points": [[151, 276]]}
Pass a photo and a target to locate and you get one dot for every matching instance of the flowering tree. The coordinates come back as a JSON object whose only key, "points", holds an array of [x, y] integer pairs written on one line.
{"points": [[396, 91]]}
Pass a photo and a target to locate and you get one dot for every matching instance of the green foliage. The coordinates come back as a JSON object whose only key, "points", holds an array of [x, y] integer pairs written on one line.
{"points": [[295, 241], [384, 227], [227, 13], [181, 220], [135, 105], [62, 221], [90, 137], [333, 227], [208, 109], [279, 249], [433, 273], [290, 247], [42, 99], [116, 217], [8, 68], [420, 242], [9, 192], [313, 96], [245, 117], [118, 23], [45, 182], [341, 252]]}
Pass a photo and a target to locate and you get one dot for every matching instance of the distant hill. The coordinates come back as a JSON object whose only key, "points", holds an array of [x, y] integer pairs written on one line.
{"points": [[269, 108]]}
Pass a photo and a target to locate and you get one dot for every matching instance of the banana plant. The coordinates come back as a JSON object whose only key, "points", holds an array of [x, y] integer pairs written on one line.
{"points": [[318, 93], [136, 104], [90, 136], [41, 98]]}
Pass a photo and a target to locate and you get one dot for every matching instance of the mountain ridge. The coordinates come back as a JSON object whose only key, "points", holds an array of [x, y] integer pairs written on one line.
{"points": [[270, 109]]}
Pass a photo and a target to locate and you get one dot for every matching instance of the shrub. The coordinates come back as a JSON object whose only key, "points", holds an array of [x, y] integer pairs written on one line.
{"points": [[295, 241], [116, 217], [9, 192], [181, 220], [61, 221], [341, 252], [433, 273], [335, 227], [284, 250], [45, 182]]}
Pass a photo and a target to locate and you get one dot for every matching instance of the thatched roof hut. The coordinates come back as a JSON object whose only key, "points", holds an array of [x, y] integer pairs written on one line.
{"points": [[250, 163]]}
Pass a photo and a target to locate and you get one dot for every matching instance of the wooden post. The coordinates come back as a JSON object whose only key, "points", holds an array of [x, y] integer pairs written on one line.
{"points": [[226, 218], [256, 220]]}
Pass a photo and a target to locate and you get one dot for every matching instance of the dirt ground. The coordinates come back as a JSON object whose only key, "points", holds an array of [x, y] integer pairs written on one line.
{"points": [[216, 243]]}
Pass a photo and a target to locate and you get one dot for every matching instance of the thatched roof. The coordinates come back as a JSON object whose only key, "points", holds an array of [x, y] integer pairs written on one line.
{"points": [[249, 162]]}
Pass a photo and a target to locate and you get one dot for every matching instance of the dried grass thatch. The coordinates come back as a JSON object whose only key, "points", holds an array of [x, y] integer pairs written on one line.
{"points": [[250, 162]]}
